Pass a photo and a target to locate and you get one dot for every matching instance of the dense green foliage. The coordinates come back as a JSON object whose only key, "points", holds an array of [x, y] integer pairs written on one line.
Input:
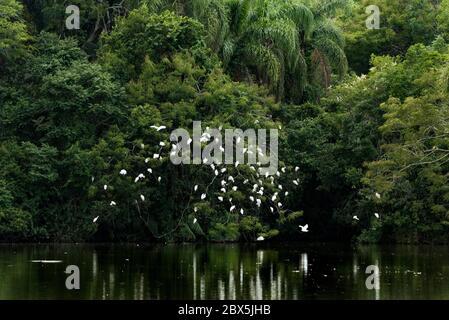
{"points": [[78, 106]]}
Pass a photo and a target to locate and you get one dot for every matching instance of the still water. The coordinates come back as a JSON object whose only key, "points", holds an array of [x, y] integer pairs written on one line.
{"points": [[224, 271]]}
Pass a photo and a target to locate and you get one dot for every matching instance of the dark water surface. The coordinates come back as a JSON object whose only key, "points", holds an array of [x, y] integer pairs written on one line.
{"points": [[224, 271]]}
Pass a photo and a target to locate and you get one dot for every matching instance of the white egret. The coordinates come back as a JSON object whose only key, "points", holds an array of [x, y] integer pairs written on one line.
{"points": [[260, 238], [142, 197], [220, 198], [105, 187], [156, 156], [159, 179], [113, 203], [355, 218], [376, 215], [194, 220], [304, 228], [95, 219], [162, 144], [158, 128], [377, 195], [296, 169], [123, 172], [203, 196], [232, 208], [195, 188], [234, 188]]}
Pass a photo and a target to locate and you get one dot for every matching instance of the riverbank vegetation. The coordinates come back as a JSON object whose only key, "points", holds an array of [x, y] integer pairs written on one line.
{"points": [[362, 117]]}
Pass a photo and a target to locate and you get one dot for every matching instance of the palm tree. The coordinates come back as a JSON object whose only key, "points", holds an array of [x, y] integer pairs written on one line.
{"points": [[280, 42]]}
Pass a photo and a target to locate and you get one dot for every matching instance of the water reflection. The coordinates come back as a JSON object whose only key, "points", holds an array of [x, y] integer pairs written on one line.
{"points": [[224, 272]]}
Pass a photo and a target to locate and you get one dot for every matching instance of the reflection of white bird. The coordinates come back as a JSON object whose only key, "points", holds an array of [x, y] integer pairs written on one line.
{"points": [[304, 228], [95, 219], [113, 203], [260, 238], [377, 195], [355, 218], [377, 215], [158, 128], [123, 172]]}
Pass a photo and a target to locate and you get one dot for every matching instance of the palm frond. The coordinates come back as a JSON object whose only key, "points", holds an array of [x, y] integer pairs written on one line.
{"points": [[265, 60]]}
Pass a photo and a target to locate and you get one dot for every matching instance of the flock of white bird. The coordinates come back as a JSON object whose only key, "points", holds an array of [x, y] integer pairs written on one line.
{"points": [[262, 189]]}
